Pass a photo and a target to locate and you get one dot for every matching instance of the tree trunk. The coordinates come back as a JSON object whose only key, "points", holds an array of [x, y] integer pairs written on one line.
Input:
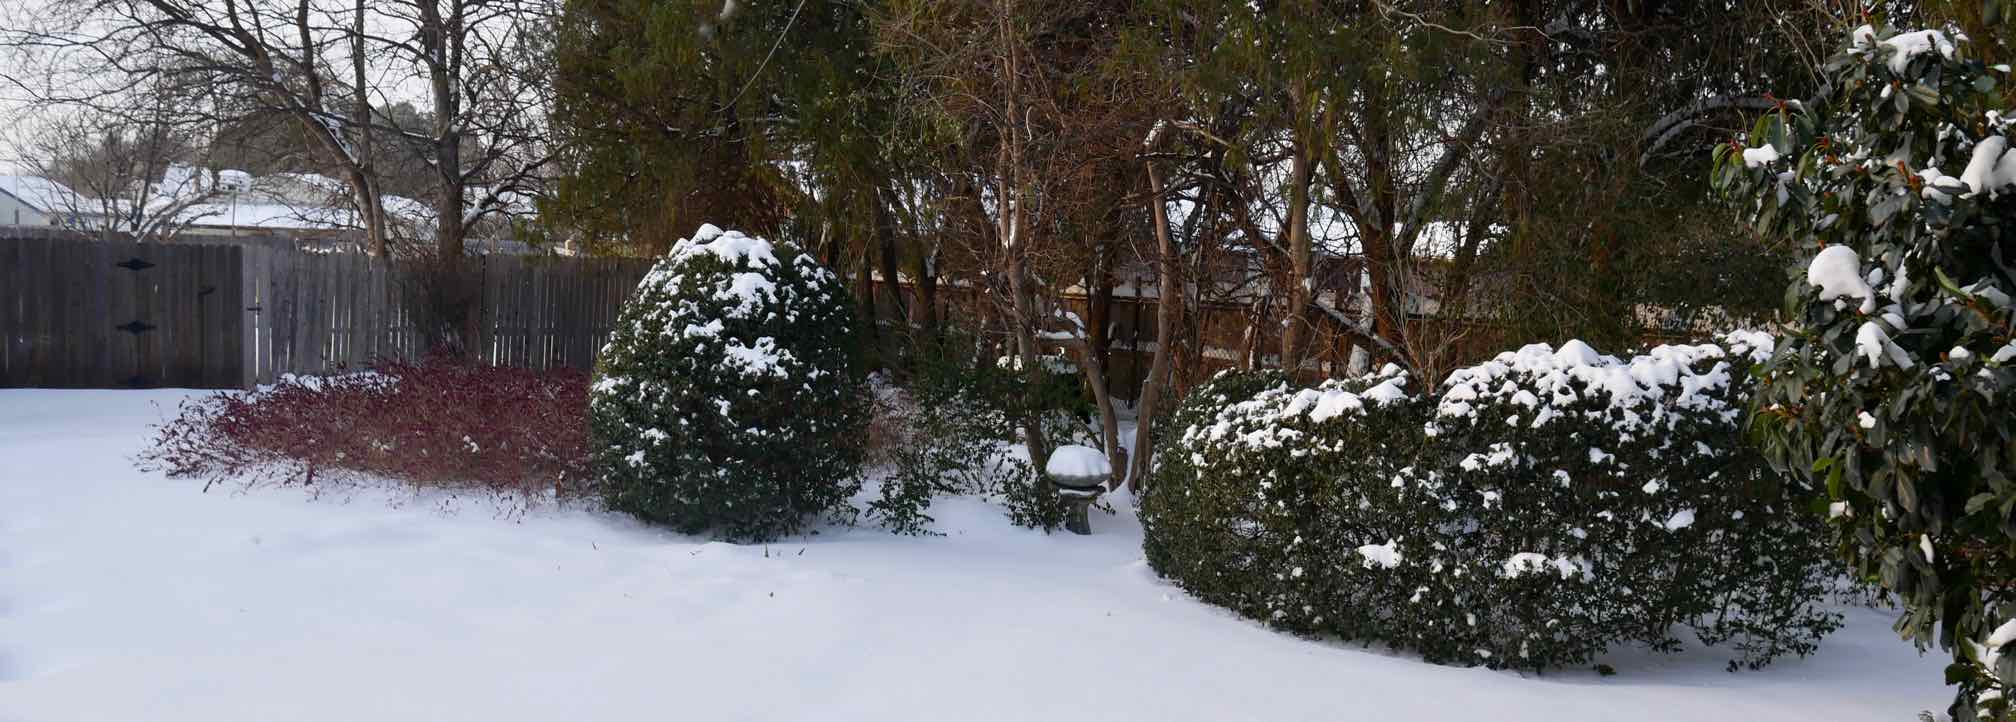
{"points": [[885, 250], [370, 203], [1109, 423], [1099, 303], [1098, 312], [1012, 230], [1301, 291], [1167, 304], [871, 315], [1022, 327], [924, 286], [442, 38]]}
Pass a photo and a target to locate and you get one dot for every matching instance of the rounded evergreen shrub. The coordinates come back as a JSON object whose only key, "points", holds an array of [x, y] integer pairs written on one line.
{"points": [[728, 397], [1539, 509]]}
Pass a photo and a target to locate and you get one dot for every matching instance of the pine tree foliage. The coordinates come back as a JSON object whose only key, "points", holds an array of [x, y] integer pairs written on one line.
{"points": [[729, 398], [1533, 512], [1894, 387]]}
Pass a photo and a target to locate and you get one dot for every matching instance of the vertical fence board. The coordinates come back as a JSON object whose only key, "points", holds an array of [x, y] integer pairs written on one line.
{"points": [[356, 317], [96, 260], [121, 289], [66, 318], [250, 313], [180, 304], [375, 325], [297, 334], [10, 313], [37, 289], [14, 274], [224, 332], [486, 315]]}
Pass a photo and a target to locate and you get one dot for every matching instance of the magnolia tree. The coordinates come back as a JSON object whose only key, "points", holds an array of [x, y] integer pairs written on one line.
{"points": [[1893, 386]]}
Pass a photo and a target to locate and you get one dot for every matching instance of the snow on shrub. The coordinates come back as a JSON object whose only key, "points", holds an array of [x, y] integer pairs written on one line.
{"points": [[728, 397], [442, 423], [1895, 385], [1542, 507]]}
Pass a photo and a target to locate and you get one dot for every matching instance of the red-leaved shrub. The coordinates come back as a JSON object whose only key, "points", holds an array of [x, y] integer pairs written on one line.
{"points": [[439, 424]]}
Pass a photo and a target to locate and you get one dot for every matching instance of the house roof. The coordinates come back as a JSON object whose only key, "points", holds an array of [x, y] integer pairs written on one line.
{"points": [[41, 194]]}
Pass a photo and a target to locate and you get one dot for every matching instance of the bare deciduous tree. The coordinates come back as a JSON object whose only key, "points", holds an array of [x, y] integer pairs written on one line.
{"points": [[118, 176], [331, 68]]}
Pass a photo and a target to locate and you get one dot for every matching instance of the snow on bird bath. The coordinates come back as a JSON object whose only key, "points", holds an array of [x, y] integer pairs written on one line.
{"points": [[1075, 460]]}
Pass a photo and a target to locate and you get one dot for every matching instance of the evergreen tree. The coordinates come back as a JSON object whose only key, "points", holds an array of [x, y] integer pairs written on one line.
{"points": [[1894, 387], [730, 397]]}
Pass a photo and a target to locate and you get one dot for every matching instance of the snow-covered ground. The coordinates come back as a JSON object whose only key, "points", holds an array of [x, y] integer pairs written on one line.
{"points": [[127, 596]]}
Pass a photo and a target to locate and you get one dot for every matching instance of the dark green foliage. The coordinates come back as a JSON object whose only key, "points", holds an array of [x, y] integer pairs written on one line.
{"points": [[905, 495], [946, 433], [1543, 508], [956, 417], [729, 397], [674, 112], [1032, 501], [1174, 492], [1896, 396]]}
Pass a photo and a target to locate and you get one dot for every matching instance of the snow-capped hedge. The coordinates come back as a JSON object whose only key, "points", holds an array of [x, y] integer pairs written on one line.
{"points": [[1539, 508], [728, 398]]}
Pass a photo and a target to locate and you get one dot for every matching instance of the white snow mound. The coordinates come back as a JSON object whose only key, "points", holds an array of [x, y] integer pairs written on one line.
{"points": [[1075, 460]]}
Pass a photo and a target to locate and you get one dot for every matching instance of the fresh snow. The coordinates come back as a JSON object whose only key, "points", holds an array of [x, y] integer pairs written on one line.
{"points": [[1759, 156], [1987, 170], [127, 596], [2002, 635], [1075, 460], [731, 246], [1872, 343], [1384, 556], [1865, 36], [1557, 374], [1523, 562], [1906, 46], [1837, 270]]}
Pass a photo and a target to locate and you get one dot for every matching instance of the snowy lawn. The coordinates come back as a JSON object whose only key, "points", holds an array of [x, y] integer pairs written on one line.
{"points": [[127, 596]]}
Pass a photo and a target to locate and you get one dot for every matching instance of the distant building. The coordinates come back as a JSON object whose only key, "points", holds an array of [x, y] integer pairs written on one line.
{"points": [[35, 201], [312, 210]]}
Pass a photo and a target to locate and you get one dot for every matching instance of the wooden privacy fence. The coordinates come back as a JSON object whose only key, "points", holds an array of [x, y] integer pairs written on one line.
{"points": [[96, 314], [120, 314], [319, 312]]}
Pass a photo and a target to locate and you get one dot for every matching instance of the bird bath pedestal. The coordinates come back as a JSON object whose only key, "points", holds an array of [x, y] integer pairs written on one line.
{"points": [[1080, 474]]}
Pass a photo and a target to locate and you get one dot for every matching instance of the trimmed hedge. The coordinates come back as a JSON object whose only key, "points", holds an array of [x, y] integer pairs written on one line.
{"points": [[1543, 507], [728, 398]]}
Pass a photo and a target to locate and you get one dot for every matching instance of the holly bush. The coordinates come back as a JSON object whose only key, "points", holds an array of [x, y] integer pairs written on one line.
{"points": [[1536, 510], [730, 396]]}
